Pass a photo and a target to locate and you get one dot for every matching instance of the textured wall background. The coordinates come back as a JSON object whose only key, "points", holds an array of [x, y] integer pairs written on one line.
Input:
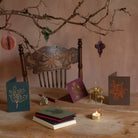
{"points": [[119, 55]]}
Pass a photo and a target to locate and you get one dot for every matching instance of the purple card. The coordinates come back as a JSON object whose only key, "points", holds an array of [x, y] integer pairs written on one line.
{"points": [[77, 89]]}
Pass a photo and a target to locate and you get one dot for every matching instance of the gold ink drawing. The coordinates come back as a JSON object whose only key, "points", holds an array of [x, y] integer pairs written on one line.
{"points": [[17, 95]]}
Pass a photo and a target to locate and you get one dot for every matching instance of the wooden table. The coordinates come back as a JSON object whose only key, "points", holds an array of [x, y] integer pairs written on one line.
{"points": [[117, 121]]}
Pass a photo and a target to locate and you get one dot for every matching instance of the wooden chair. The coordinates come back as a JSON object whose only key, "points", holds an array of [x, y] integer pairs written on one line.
{"points": [[51, 63]]}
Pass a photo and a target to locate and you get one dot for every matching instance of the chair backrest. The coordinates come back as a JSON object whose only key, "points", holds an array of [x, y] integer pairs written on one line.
{"points": [[51, 64]]}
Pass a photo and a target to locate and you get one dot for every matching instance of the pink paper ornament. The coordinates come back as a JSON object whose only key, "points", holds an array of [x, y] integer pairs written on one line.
{"points": [[8, 42]]}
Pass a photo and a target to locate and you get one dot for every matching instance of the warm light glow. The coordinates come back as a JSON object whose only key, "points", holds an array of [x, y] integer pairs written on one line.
{"points": [[96, 114]]}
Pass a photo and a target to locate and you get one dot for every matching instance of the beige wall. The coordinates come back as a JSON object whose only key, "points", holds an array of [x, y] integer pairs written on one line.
{"points": [[119, 55]]}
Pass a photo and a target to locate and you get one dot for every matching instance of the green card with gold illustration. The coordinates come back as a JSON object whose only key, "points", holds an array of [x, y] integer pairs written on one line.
{"points": [[17, 96]]}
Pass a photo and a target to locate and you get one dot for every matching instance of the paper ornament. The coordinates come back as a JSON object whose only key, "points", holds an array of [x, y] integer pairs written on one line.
{"points": [[8, 42]]}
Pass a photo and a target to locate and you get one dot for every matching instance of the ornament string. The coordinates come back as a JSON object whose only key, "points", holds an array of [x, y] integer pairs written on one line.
{"points": [[7, 24], [7, 28]]}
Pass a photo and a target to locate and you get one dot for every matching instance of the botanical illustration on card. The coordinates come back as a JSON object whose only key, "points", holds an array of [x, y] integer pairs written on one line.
{"points": [[17, 96], [77, 89], [119, 90]]}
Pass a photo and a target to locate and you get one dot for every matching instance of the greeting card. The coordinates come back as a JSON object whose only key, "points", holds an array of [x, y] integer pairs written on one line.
{"points": [[77, 89], [17, 96], [119, 90]]}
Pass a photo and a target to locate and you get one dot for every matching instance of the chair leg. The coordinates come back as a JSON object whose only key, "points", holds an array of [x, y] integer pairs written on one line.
{"points": [[61, 78], [52, 79], [23, 66], [40, 81], [56, 75], [65, 78], [44, 80], [48, 79], [80, 66]]}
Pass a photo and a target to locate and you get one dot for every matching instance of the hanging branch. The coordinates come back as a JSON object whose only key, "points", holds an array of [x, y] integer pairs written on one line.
{"points": [[86, 20]]}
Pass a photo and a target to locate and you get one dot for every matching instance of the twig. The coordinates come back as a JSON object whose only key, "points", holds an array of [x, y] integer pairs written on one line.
{"points": [[85, 20]]}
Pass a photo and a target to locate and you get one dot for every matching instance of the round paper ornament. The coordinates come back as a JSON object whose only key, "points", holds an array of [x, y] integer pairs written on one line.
{"points": [[8, 42]]}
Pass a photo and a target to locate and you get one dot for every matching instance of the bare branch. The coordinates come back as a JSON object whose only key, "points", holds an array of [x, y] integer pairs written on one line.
{"points": [[78, 6], [85, 20], [125, 11], [107, 12]]}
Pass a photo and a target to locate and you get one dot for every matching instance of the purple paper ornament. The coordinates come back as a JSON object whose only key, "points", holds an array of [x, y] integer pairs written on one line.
{"points": [[100, 46]]}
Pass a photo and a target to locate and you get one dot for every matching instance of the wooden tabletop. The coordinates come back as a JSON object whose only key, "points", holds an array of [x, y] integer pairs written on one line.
{"points": [[117, 121]]}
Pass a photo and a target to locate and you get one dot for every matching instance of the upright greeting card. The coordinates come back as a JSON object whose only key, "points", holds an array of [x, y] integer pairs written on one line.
{"points": [[17, 96], [77, 89], [119, 90]]}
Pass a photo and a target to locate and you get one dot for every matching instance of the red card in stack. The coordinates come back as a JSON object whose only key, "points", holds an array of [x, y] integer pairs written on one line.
{"points": [[54, 119]]}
